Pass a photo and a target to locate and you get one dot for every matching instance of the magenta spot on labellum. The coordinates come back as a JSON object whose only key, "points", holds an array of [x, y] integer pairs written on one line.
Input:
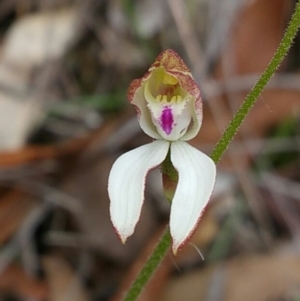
{"points": [[166, 120]]}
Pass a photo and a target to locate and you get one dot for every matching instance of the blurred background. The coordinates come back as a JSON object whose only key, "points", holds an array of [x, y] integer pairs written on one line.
{"points": [[65, 66]]}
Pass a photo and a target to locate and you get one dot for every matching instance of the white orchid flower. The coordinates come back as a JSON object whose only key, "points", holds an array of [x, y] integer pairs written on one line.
{"points": [[169, 109]]}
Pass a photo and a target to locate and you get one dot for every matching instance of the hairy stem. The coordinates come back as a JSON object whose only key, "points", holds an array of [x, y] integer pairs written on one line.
{"points": [[165, 241], [150, 266], [250, 99]]}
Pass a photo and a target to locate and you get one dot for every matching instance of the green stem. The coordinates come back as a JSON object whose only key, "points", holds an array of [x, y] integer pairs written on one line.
{"points": [[164, 243], [250, 99], [151, 265]]}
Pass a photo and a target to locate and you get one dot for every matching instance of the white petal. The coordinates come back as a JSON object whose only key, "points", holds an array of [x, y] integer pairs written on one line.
{"points": [[197, 174], [126, 184]]}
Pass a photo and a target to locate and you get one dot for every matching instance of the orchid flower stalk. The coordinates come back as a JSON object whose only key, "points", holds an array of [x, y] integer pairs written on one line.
{"points": [[169, 109], [162, 246]]}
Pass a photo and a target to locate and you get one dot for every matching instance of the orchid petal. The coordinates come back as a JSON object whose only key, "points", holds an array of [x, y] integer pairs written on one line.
{"points": [[144, 115], [197, 174], [126, 184]]}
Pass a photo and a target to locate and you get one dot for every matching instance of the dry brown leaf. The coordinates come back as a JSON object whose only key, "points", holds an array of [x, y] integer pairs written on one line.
{"points": [[255, 37], [39, 37], [67, 149], [30, 42], [63, 281], [31, 154], [14, 207], [14, 280], [259, 278]]}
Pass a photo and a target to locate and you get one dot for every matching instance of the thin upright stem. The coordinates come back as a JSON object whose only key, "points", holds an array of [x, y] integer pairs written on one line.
{"points": [[262, 82], [151, 265]]}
